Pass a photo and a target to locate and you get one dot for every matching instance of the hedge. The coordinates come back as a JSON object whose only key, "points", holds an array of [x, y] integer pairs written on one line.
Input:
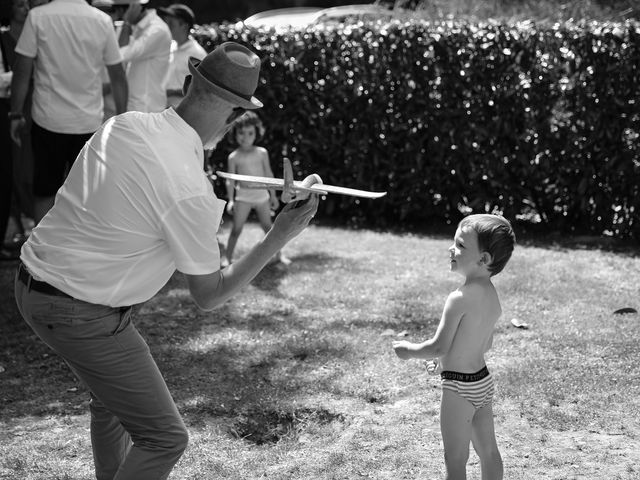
{"points": [[538, 122]]}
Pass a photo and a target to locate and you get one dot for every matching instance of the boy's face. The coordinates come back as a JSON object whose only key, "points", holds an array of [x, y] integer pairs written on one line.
{"points": [[465, 255], [245, 136]]}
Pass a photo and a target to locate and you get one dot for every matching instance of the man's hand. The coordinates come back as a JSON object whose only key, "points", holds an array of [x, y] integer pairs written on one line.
{"points": [[132, 15], [295, 217], [17, 125], [404, 349], [230, 206]]}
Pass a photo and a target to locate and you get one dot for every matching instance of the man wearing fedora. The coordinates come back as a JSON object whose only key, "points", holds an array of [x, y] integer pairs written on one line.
{"points": [[135, 207], [145, 45], [180, 19], [64, 45]]}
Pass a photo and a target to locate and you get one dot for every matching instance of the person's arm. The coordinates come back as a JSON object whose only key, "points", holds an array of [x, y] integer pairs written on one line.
{"points": [[22, 71], [119, 86], [439, 345], [230, 184], [266, 168], [211, 290], [149, 44], [131, 17]]}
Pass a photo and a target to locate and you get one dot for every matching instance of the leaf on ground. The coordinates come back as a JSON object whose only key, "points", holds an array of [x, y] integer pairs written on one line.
{"points": [[622, 311], [518, 324]]}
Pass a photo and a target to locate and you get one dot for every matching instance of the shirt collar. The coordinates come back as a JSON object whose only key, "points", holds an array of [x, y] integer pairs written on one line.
{"points": [[179, 124]]}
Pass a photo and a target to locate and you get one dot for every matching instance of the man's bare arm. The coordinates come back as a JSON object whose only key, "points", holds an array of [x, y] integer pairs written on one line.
{"points": [[212, 290], [119, 86]]}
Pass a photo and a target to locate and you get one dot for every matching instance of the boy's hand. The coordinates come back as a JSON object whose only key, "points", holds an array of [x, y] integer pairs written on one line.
{"points": [[433, 366], [230, 207], [403, 349]]}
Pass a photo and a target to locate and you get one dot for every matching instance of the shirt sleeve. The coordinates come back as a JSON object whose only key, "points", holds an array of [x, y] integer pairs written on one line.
{"points": [[190, 228], [152, 41], [28, 42]]}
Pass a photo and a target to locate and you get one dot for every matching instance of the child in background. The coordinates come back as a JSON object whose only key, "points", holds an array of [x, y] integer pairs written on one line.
{"points": [[249, 159], [482, 246]]}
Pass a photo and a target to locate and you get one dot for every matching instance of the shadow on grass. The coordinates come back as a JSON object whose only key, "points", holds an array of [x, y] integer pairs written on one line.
{"points": [[270, 278], [221, 379]]}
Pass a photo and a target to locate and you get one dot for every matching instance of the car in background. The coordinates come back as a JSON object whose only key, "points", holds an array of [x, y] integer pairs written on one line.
{"points": [[303, 17]]}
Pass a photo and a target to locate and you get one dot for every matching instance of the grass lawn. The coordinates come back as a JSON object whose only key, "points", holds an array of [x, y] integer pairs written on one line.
{"points": [[296, 379]]}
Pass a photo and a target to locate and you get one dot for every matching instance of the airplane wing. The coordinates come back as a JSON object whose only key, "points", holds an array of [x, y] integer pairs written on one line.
{"points": [[278, 184]]}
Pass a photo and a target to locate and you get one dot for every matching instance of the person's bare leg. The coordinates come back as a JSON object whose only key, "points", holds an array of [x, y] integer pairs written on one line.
{"points": [[483, 437], [456, 415], [263, 211], [241, 212]]}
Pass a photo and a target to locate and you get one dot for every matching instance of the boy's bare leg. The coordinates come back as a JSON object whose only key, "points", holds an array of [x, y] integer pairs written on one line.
{"points": [[483, 437], [241, 212], [456, 416]]}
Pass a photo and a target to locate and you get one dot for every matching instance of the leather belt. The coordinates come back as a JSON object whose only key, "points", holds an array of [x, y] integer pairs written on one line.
{"points": [[43, 287]]}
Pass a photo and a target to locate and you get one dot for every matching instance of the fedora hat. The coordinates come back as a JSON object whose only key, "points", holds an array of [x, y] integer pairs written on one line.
{"points": [[231, 71]]}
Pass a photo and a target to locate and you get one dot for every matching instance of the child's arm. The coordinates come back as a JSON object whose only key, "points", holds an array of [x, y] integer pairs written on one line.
{"points": [[266, 167], [439, 345], [231, 184]]}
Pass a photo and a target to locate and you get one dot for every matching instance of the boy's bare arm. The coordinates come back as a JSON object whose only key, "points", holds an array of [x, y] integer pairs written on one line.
{"points": [[230, 184], [440, 344]]}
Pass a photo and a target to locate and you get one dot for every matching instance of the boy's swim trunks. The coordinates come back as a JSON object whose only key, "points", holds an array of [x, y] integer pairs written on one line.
{"points": [[477, 388]]}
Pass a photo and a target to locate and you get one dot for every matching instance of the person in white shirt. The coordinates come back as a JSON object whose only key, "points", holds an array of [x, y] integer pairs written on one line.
{"points": [[65, 44], [145, 45], [180, 20], [135, 207]]}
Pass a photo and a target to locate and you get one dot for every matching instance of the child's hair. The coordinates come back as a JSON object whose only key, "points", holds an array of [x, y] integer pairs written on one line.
{"points": [[495, 236], [247, 119]]}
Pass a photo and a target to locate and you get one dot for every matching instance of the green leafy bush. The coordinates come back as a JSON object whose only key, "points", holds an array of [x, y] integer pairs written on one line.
{"points": [[540, 123]]}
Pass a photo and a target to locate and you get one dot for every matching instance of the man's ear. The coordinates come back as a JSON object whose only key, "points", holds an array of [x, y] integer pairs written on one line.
{"points": [[486, 258], [185, 84]]}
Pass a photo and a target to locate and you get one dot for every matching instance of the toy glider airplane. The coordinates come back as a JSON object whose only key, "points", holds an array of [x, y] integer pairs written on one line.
{"points": [[290, 186]]}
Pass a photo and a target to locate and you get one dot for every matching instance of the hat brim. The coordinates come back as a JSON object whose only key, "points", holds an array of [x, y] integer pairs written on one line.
{"points": [[248, 103]]}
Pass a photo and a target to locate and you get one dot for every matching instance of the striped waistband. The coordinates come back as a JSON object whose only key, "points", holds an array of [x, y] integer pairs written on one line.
{"points": [[465, 377]]}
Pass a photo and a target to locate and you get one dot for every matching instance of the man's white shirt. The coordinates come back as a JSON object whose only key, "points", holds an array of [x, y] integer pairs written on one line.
{"points": [[179, 66], [147, 59], [70, 43], [135, 207]]}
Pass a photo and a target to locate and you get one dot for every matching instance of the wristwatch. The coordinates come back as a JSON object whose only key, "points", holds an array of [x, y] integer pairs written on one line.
{"points": [[15, 115]]}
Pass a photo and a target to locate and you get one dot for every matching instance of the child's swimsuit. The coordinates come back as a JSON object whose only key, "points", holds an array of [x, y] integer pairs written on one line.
{"points": [[254, 196], [477, 388]]}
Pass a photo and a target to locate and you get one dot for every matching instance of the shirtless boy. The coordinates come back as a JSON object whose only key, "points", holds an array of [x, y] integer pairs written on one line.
{"points": [[482, 247]]}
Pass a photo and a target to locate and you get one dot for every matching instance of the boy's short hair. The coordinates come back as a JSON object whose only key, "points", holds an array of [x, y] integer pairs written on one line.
{"points": [[495, 236], [247, 119]]}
